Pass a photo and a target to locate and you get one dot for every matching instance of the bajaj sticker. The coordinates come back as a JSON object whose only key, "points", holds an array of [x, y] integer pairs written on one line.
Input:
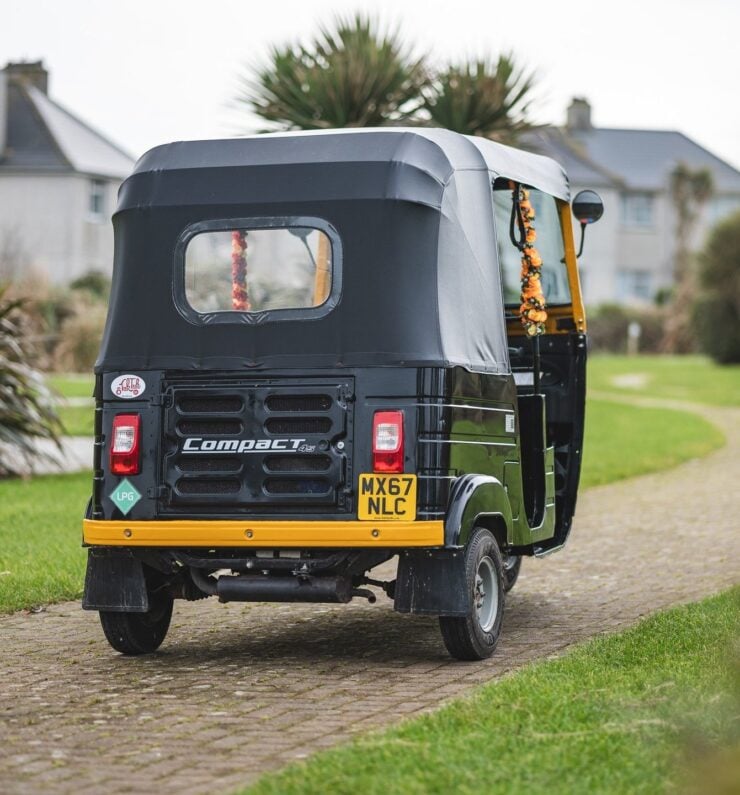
{"points": [[128, 386], [125, 496]]}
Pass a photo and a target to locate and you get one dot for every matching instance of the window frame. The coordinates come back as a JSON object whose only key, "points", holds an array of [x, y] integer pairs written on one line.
{"points": [[248, 224], [628, 203], [627, 279], [97, 192]]}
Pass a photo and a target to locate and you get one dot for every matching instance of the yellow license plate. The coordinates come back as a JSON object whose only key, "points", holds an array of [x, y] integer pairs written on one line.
{"points": [[383, 497]]}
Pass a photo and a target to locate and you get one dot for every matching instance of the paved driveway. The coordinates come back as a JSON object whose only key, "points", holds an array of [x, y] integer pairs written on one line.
{"points": [[240, 689]]}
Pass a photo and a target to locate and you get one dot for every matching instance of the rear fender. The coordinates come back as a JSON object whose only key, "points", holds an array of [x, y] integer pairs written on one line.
{"points": [[478, 501], [433, 581]]}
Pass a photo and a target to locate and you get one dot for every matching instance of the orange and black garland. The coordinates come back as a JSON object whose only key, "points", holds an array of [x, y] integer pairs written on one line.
{"points": [[532, 311], [239, 295]]}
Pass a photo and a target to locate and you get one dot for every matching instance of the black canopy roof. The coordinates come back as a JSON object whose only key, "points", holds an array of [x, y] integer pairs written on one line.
{"points": [[420, 283]]}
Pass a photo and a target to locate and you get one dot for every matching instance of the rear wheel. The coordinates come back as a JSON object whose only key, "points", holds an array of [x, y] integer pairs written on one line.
{"points": [[474, 636], [138, 633]]}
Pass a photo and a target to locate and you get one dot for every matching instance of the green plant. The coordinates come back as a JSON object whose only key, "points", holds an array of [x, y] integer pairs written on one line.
{"points": [[26, 403], [716, 311], [350, 75], [485, 98]]}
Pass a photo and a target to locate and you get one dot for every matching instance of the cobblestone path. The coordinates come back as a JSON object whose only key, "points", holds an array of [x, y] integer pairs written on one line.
{"points": [[241, 689]]}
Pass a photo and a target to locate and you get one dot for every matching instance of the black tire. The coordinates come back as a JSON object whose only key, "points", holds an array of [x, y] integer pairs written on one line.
{"points": [[138, 633], [512, 567], [475, 636]]}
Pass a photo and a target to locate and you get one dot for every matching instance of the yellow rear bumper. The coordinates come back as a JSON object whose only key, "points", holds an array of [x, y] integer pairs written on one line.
{"points": [[270, 534]]}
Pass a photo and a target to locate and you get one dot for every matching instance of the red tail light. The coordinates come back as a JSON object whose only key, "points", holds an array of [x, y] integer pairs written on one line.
{"points": [[125, 445], [388, 441]]}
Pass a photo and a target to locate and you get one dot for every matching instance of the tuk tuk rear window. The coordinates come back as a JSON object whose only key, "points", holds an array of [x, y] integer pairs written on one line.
{"points": [[258, 269]]}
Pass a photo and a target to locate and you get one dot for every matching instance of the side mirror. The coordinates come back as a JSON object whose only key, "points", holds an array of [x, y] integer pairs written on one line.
{"points": [[587, 208]]}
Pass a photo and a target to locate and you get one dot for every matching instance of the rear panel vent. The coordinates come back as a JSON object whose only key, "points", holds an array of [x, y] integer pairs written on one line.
{"points": [[215, 405], [297, 463], [210, 427], [290, 425], [208, 486], [208, 464], [297, 486], [298, 403]]}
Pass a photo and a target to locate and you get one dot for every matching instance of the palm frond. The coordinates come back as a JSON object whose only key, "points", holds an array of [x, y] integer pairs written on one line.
{"points": [[350, 75], [26, 403], [482, 98]]}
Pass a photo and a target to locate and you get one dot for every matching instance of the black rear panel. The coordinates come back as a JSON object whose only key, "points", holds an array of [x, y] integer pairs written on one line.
{"points": [[247, 444]]}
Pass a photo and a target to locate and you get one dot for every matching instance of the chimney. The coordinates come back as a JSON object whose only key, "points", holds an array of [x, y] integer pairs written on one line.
{"points": [[579, 115], [28, 72]]}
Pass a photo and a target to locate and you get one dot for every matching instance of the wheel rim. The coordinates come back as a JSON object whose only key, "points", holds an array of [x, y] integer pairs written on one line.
{"points": [[485, 594]]}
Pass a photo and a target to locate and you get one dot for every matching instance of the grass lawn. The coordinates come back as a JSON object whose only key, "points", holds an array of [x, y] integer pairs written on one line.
{"points": [[632, 712], [623, 441], [77, 420], [693, 378], [74, 385], [41, 559]]}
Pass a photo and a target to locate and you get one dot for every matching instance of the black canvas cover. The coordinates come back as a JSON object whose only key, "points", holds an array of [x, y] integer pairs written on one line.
{"points": [[418, 269]]}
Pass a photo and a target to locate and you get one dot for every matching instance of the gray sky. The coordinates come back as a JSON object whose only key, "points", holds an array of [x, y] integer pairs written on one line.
{"points": [[149, 72]]}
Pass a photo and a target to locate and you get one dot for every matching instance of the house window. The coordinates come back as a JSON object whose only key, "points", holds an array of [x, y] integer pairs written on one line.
{"points": [[635, 285], [96, 199], [722, 206], [637, 209]]}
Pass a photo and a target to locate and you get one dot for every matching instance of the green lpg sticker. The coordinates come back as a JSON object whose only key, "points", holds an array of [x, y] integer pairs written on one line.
{"points": [[125, 496]]}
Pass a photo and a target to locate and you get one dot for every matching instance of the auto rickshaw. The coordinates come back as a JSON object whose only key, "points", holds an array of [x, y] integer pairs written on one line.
{"points": [[327, 350]]}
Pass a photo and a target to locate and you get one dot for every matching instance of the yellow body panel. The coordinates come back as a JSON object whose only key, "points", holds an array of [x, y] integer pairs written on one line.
{"points": [[264, 534], [577, 310]]}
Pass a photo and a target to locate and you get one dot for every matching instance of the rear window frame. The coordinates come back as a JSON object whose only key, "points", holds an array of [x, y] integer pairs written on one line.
{"points": [[248, 224]]}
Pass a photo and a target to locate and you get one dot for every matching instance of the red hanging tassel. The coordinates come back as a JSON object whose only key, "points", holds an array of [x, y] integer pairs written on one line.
{"points": [[239, 295]]}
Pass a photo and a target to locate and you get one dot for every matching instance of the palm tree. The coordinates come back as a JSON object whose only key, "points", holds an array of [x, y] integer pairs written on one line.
{"points": [[690, 190], [349, 75], [481, 98]]}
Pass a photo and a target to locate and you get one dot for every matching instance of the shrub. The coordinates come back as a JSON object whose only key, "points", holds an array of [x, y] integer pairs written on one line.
{"points": [[716, 312], [608, 327], [64, 323], [79, 338], [95, 283], [26, 404]]}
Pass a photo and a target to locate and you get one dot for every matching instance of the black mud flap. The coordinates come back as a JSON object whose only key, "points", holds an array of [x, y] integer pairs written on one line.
{"points": [[432, 582], [114, 582]]}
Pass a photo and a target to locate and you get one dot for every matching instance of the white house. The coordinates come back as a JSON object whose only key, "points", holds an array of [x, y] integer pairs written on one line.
{"points": [[629, 253], [58, 183]]}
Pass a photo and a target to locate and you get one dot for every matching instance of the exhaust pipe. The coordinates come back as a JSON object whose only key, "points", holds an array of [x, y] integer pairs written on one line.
{"points": [[258, 588]]}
